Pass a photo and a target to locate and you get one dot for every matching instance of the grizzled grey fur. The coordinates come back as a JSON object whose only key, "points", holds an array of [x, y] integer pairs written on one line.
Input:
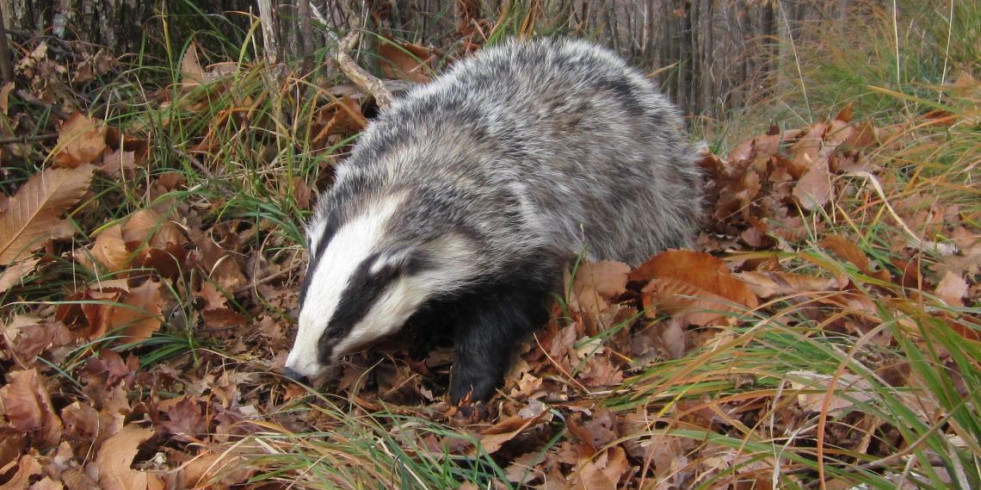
{"points": [[470, 195]]}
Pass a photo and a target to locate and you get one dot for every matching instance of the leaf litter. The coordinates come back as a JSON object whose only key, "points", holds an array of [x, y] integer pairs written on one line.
{"points": [[585, 405]]}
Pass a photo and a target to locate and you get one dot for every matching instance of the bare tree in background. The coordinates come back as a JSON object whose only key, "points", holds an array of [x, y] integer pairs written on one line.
{"points": [[709, 55]]}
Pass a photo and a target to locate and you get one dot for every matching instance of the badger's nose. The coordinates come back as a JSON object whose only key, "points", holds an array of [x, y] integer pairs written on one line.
{"points": [[296, 376]]}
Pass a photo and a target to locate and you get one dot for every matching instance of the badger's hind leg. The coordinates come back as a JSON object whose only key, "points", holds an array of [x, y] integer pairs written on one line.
{"points": [[488, 325]]}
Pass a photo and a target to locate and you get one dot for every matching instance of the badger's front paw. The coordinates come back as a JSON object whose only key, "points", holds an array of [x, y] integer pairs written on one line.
{"points": [[472, 383]]}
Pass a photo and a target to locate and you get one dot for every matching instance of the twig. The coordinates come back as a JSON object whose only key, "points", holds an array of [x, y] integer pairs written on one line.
{"points": [[53, 108], [364, 80], [267, 279], [27, 139]]}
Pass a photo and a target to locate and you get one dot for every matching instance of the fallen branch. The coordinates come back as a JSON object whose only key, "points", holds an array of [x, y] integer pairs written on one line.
{"points": [[364, 80]]}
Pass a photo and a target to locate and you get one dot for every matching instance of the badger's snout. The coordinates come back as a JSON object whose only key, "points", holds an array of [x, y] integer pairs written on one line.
{"points": [[304, 362], [296, 376]]}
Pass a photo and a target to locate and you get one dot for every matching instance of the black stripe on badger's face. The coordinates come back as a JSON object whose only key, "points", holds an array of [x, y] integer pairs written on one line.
{"points": [[363, 290], [358, 289]]}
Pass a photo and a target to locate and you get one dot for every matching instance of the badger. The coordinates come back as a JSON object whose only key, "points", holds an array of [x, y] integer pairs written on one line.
{"points": [[468, 196]]}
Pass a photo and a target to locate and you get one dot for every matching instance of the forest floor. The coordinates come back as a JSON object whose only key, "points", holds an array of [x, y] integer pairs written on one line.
{"points": [[825, 331]]}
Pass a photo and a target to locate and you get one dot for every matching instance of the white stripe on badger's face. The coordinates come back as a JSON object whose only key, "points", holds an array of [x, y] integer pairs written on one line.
{"points": [[315, 231], [407, 293], [350, 246]]}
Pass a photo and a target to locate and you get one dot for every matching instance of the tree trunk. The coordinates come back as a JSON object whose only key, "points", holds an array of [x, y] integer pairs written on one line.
{"points": [[709, 55], [124, 25]]}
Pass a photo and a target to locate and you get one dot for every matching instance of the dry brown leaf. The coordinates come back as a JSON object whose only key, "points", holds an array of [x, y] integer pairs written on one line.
{"points": [[864, 136], [12, 275], [405, 61], [140, 314], [686, 302], [27, 467], [206, 468], [769, 284], [82, 422], [81, 140], [36, 209], [116, 456], [699, 269], [846, 249], [191, 71], [118, 163], [952, 289], [30, 335], [109, 249], [221, 265], [223, 319], [849, 390], [341, 117], [141, 226], [814, 190], [5, 96], [524, 468], [599, 372], [608, 278], [604, 471], [494, 437], [26, 407], [185, 420], [846, 113], [594, 285]]}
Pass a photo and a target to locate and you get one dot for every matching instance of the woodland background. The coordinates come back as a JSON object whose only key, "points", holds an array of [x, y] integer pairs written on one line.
{"points": [[158, 159]]}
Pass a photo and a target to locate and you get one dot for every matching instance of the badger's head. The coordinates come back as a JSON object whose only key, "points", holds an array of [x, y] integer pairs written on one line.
{"points": [[368, 273]]}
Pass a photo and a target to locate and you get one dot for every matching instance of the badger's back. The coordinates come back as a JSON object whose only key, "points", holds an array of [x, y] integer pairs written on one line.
{"points": [[537, 144]]}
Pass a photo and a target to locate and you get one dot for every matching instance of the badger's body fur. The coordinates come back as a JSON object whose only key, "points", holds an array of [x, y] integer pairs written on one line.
{"points": [[468, 196]]}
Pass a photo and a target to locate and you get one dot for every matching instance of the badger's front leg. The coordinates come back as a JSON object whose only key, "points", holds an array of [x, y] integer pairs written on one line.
{"points": [[487, 328]]}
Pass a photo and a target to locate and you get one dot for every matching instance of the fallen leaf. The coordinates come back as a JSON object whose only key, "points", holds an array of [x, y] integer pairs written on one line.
{"points": [[604, 471], [608, 278], [848, 250], [118, 163], [814, 190], [185, 420], [698, 269], [864, 136], [208, 468], [26, 407], [81, 140], [849, 390], [191, 71], [599, 372], [82, 422], [30, 335], [27, 468], [109, 249], [693, 285], [524, 469], [952, 289], [140, 313], [14, 273], [494, 437], [405, 61], [115, 459], [770, 284], [36, 209]]}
